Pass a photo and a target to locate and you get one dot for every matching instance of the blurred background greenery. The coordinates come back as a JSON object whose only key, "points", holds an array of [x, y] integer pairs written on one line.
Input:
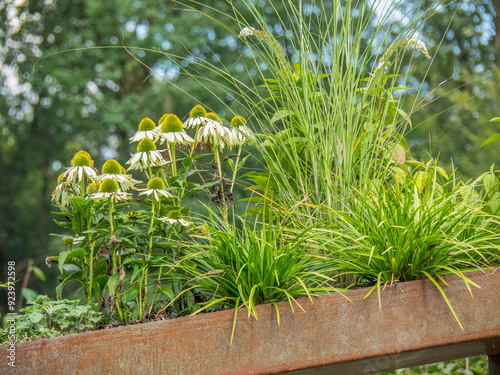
{"points": [[94, 99]]}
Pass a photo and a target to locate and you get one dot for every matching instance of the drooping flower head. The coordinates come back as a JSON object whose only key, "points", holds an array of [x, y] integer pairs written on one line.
{"points": [[197, 116], [156, 187], [175, 217], [172, 131], [146, 156], [64, 190], [240, 133], [114, 170], [212, 132], [109, 189], [146, 130], [82, 168]]}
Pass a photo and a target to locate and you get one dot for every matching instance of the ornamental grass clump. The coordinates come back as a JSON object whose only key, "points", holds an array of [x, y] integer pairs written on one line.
{"points": [[252, 266]]}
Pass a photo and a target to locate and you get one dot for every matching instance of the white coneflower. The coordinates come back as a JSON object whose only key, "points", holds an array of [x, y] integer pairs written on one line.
{"points": [[146, 130], [171, 130], [175, 217], [109, 189], [246, 31], [64, 191], [82, 168], [156, 187], [112, 169], [197, 117], [146, 156], [240, 133], [212, 133]]}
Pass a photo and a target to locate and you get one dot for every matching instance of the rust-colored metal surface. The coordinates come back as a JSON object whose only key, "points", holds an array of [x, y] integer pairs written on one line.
{"points": [[334, 336]]}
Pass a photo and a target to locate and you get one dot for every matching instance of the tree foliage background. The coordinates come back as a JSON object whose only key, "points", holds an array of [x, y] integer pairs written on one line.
{"points": [[94, 99]]}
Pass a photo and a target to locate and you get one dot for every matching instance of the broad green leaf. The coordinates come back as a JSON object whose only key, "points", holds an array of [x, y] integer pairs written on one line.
{"points": [[489, 181], [29, 294], [113, 283], [129, 296], [400, 154]]}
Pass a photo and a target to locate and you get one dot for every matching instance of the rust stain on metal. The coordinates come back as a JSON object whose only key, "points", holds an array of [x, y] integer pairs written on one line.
{"points": [[336, 335]]}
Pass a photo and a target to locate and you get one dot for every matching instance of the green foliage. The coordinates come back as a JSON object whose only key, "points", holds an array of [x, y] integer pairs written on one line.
{"points": [[469, 366], [44, 318]]}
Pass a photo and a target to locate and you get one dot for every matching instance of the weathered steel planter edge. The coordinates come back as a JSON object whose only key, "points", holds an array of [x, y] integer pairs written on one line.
{"points": [[334, 335]]}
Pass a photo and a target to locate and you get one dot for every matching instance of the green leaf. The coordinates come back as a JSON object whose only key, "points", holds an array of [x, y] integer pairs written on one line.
{"points": [[280, 115], [442, 172], [493, 138], [29, 294], [113, 283], [77, 223], [129, 296], [79, 205], [495, 203], [420, 180], [230, 162], [495, 119], [39, 273], [80, 276], [187, 161], [400, 154], [490, 182]]}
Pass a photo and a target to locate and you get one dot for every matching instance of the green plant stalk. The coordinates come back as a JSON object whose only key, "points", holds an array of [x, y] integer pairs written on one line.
{"points": [[235, 168], [113, 255], [191, 152], [145, 277], [219, 168]]}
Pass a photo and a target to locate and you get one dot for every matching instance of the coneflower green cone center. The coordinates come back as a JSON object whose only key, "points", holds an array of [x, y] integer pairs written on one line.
{"points": [[156, 183], [238, 121], [175, 214], [171, 124], [213, 116], [145, 145], [112, 167], [93, 187], [81, 160], [109, 186], [146, 124], [198, 111]]}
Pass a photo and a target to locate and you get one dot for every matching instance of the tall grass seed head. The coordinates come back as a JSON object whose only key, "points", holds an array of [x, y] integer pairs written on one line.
{"points": [[82, 159], [238, 121], [146, 145], [171, 124], [214, 116], [198, 111], [146, 124], [109, 186], [93, 187], [112, 167], [156, 183]]}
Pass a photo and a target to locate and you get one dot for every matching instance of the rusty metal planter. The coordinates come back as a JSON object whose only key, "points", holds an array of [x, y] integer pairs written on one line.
{"points": [[333, 336]]}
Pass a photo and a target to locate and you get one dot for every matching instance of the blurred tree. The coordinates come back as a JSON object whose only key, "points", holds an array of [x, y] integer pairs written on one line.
{"points": [[464, 41], [89, 99]]}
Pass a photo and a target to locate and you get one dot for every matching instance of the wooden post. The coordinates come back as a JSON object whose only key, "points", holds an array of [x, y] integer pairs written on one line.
{"points": [[494, 364]]}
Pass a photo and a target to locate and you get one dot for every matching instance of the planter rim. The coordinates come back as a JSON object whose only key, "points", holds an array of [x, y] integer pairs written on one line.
{"points": [[334, 335]]}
